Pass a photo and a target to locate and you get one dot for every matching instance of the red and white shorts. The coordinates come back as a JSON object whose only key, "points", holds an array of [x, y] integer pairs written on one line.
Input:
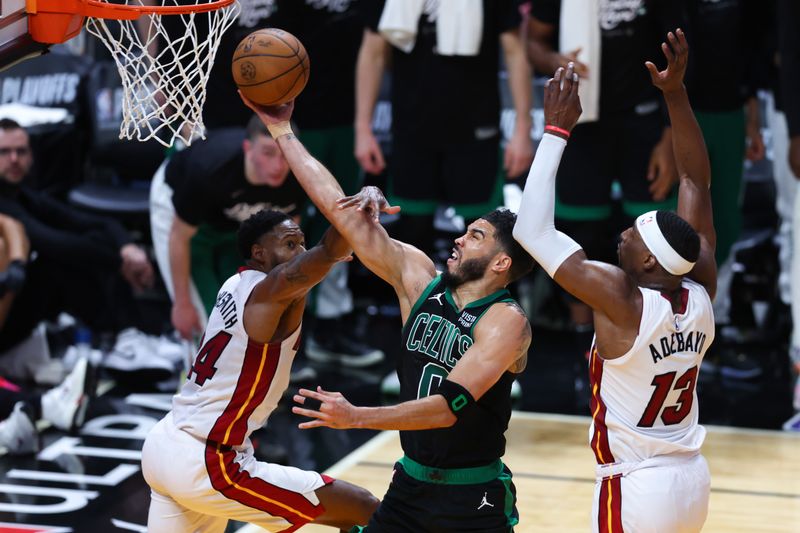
{"points": [[653, 496], [197, 486]]}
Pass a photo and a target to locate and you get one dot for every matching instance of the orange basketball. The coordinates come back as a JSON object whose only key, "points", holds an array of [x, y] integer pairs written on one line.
{"points": [[270, 66]]}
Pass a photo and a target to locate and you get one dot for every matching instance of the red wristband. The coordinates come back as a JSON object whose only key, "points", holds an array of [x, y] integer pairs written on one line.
{"points": [[556, 129]]}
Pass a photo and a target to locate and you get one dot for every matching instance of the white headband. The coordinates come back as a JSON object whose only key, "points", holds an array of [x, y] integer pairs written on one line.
{"points": [[655, 241]]}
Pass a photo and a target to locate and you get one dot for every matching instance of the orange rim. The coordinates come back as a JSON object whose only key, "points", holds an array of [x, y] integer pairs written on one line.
{"points": [[55, 21], [153, 10]]}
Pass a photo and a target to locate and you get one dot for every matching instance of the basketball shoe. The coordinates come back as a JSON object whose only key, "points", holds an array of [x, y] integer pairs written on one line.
{"points": [[65, 406], [138, 357], [18, 433]]}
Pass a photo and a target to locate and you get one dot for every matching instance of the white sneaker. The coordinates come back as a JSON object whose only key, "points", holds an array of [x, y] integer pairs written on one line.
{"points": [[178, 352], [137, 353], [65, 406], [130, 339], [18, 433]]}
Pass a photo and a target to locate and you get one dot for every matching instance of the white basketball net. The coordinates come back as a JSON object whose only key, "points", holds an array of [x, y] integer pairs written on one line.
{"points": [[164, 75]]}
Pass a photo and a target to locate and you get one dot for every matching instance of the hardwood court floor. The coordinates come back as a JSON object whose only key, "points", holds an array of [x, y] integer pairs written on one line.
{"points": [[755, 475]]}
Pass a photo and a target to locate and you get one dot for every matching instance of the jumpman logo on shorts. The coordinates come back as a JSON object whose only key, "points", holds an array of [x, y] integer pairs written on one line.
{"points": [[485, 502], [437, 297]]}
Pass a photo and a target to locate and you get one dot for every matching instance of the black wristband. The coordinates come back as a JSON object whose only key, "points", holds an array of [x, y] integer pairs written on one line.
{"points": [[459, 400]]}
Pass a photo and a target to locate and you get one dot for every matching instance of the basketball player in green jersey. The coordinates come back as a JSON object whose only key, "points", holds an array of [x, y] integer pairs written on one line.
{"points": [[464, 339]]}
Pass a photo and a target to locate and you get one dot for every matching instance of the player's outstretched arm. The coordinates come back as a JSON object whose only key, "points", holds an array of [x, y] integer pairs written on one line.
{"points": [[406, 268], [294, 278], [603, 287], [691, 156], [288, 283]]}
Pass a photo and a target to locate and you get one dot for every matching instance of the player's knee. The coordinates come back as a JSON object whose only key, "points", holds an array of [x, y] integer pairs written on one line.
{"points": [[367, 504], [346, 505]]}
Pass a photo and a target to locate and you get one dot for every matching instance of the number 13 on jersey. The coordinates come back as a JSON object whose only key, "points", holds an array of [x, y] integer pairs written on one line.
{"points": [[671, 414]]}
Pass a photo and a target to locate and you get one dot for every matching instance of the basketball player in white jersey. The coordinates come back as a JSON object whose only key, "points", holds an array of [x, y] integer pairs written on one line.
{"points": [[652, 315], [199, 460]]}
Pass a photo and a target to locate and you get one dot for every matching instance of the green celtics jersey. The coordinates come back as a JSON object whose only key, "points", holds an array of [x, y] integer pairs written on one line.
{"points": [[435, 336]]}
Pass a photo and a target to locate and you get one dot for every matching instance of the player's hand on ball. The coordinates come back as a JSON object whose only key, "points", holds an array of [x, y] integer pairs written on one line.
{"points": [[562, 105], [328, 409], [370, 200], [270, 114]]}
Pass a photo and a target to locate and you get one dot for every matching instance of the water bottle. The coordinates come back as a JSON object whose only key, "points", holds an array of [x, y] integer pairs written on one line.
{"points": [[83, 343], [81, 348]]}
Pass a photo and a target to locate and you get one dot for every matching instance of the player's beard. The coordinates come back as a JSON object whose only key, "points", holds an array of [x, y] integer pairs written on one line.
{"points": [[468, 270]]}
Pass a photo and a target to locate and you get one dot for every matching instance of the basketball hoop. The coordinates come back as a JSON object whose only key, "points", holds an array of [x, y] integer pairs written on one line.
{"points": [[164, 73]]}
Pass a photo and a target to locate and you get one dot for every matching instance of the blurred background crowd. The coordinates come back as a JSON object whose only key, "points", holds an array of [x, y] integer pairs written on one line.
{"points": [[112, 252]]}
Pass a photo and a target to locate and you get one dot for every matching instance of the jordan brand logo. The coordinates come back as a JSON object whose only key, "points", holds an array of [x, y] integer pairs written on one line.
{"points": [[484, 502], [437, 297]]}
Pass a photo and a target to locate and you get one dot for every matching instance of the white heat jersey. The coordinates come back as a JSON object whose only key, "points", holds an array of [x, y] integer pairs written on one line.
{"points": [[644, 404], [235, 382]]}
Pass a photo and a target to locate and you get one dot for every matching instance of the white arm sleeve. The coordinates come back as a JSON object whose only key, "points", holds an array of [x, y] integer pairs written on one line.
{"points": [[535, 229]]}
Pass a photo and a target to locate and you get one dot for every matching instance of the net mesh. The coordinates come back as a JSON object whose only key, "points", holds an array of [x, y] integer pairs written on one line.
{"points": [[164, 61]]}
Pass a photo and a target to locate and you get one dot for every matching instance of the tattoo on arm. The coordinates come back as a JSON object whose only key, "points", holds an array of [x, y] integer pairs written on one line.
{"points": [[295, 275]]}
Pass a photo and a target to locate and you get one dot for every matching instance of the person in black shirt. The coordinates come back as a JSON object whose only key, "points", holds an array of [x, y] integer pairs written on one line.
{"points": [[465, 339], [722, 81], [630, 142], [198, 197], [445, 116], [325, 117], [222, 108], [59, 80], [81, 259]]}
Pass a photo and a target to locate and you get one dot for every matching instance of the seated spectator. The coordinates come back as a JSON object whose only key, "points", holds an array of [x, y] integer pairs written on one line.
{"points": [[14, 250], [63, 406], [85, 265]]}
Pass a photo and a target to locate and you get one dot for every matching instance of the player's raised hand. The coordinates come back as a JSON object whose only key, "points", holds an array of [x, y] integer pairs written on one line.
{"points": [[677, 53], [369, 200], [329, 409], [562, 105], [270, 114]]}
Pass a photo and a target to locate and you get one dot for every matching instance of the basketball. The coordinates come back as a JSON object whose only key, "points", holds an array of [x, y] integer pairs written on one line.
{"points": [[270, 66]]}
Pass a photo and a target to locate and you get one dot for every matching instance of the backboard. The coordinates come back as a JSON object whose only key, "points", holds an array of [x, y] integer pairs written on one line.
{"points": [[16, 43]]}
